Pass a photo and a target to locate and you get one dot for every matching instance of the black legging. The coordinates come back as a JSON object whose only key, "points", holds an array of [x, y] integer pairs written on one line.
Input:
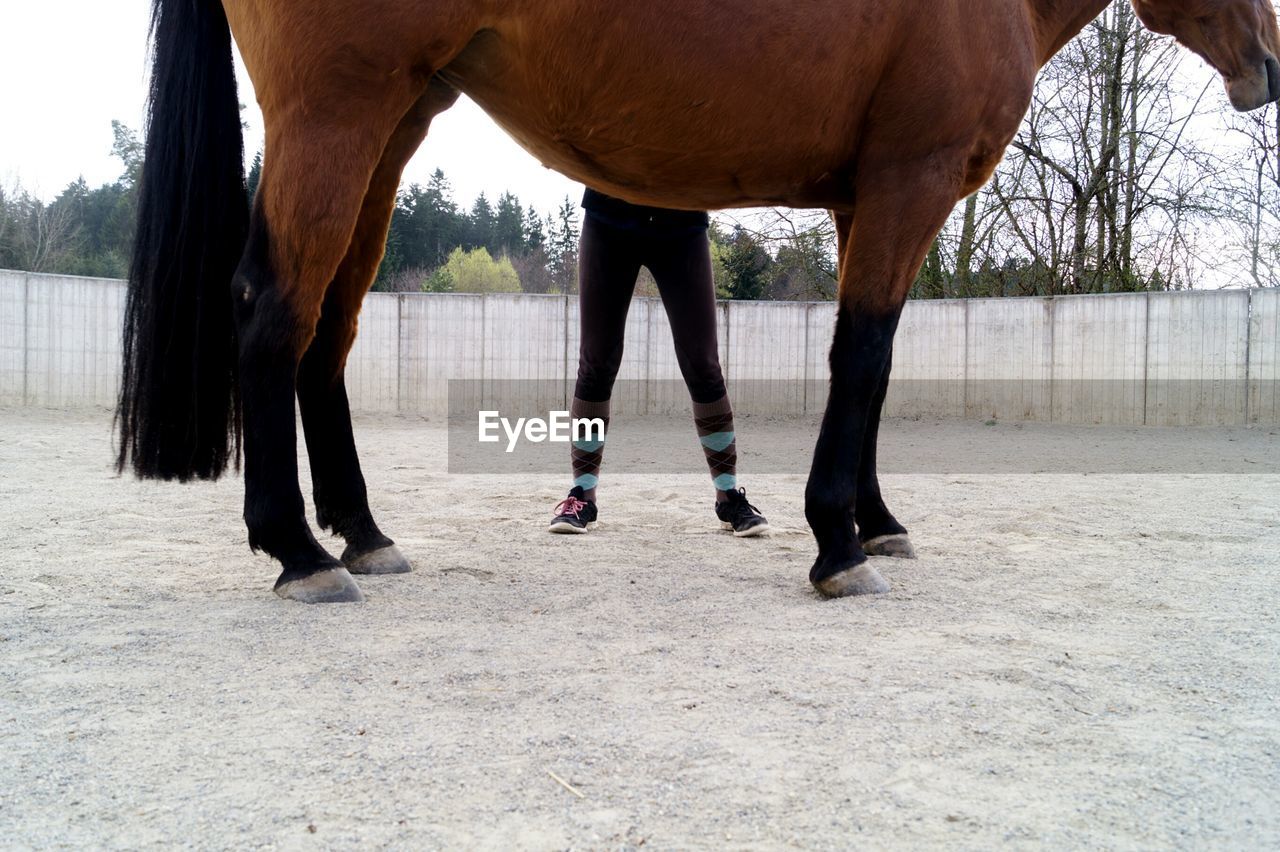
{"points": [[618, 239]]}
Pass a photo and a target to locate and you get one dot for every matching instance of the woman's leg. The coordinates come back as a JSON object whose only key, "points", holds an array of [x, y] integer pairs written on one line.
{"points": [[608, 264], [681, 266]]}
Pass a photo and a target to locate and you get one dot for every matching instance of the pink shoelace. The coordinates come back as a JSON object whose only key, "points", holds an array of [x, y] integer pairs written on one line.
{"points": [[570, 506]]}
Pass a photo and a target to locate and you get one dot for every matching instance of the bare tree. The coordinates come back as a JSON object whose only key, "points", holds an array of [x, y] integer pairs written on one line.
{"points": [[408, 280], [1252, 198], [803, 243], [1106, 144], [1103, 188], [35, 236]]}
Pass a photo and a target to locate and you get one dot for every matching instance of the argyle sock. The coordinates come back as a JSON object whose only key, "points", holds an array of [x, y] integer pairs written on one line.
{"points": [[715, 431], [587, 450]]}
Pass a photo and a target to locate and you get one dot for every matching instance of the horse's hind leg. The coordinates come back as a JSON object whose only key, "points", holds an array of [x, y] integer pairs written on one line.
{"points": [[341, 499], [899, 210], [319, 165]]}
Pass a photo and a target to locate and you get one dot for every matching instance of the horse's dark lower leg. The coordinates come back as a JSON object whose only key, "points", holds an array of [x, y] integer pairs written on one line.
{"points": [[878, 530], [900, 208], [338, 487], [859, 357], [270, 338], [309, 201], [341, 498]]}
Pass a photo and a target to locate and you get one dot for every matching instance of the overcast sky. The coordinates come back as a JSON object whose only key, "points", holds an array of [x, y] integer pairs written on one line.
{"points": [[68, 67]]}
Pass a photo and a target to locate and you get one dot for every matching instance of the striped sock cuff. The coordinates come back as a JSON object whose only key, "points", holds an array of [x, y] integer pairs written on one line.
{"points": [[715, 423], [590, 410], [719, 408], [588, 437]]}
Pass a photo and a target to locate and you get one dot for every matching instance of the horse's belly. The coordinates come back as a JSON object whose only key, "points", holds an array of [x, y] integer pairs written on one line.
{"points": [[681, 170], [674, 128]]}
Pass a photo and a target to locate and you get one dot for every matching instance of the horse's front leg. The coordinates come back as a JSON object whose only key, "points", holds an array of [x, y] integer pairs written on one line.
{"points": [[899, 210], [879, 532], [341, 498]]}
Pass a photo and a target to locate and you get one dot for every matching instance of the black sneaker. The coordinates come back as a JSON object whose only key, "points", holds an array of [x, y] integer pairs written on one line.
{"points": [[740, 516], [575, 514]]}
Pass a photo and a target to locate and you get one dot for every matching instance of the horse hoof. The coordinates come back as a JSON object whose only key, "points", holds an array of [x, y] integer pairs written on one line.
{"points": [[384, 560], [898, 546], [858, 580], [332, 586]]}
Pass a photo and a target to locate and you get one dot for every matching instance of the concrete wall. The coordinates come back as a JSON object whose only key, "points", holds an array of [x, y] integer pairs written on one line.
{"points": [[59, 340], [1199, 358]]}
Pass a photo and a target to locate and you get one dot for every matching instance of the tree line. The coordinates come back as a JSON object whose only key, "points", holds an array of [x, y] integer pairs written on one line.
{"points": [[83, 230], [433, 245]]}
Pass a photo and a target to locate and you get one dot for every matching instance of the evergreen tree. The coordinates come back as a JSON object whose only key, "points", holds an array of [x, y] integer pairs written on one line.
{"points": [[425, 227], [255, 176], [508, 227], [562, 247], [533, 233], [481, 224]]}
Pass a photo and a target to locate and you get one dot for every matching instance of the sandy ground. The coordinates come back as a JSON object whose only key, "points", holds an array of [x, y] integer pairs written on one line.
{"points": [[1074, 660]]}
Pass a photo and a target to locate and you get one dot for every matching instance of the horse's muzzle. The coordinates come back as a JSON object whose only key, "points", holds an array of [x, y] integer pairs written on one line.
{"points": [[1255, 89]]}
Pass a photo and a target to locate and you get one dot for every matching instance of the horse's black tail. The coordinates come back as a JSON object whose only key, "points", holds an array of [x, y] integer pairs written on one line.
{"points": [[179, 412]]}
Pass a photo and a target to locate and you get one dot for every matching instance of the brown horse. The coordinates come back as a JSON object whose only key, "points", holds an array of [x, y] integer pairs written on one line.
{"points": [[886, 112]]}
